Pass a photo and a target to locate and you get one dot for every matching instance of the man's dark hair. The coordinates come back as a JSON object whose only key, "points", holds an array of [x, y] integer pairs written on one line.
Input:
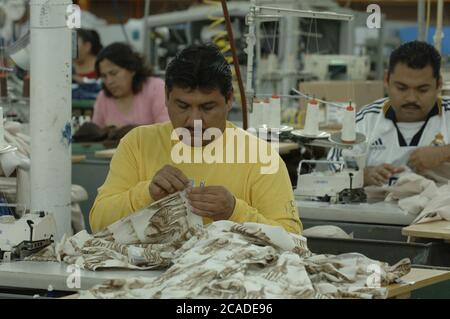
{"points": [[202, 67], [416, 55], [92, 37], [123, 56]]}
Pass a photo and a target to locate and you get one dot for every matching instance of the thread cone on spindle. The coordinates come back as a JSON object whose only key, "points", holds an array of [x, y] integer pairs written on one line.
{"points": [[349, 125], [275, 111], [312, 118]]}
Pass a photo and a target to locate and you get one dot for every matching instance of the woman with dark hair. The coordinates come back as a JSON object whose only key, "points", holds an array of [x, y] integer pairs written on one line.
{"points": [[89, 45], [130, 95]]}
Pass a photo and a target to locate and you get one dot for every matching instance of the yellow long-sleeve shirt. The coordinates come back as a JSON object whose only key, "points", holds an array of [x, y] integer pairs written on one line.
{"points": [[261, 198]]}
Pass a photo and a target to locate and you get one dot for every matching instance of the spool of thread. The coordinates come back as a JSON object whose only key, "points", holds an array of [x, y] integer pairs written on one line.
{"points": [[349, 125], [275, 111], [312, 118]]}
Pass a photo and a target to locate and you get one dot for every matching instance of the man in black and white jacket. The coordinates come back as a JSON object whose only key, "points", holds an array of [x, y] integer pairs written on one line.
{"points": [[410, 127]]}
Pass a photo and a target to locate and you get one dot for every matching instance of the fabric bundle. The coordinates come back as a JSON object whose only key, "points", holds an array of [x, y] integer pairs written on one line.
{"points": [[223, 260], [422, 197], [144, 240], [249, 260]]}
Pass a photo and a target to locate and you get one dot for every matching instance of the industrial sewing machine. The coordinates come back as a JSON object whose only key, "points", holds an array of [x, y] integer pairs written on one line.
{"points": [[332, 191], [338, 182], [330, 181], [22, 237]]}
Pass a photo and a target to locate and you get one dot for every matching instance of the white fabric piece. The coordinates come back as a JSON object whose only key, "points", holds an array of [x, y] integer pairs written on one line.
{"points": [[10, 161], [326, 231], [422, 197]]}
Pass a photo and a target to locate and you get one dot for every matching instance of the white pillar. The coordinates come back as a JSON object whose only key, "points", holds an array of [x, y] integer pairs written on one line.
{"points": [[50, 111], [439, 34]]}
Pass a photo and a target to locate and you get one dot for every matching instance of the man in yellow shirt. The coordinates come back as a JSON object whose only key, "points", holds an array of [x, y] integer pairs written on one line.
{"points": [[244, 179]]}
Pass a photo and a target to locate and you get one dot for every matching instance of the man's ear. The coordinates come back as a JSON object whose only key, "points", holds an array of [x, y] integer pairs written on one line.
{"points": [[230, 101], [166, 89], [440, 82], [386, 79]]}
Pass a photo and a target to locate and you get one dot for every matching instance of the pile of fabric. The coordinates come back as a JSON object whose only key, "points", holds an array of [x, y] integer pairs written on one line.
{"points": [[421, 197], [223, 260], [145, 240]]}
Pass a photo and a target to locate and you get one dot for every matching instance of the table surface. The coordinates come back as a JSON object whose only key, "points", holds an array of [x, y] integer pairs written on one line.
{"points": [[416, 279], [39, 275], [436, 230], [83, 104], [78, 158], [284, 148], [376, 213]]}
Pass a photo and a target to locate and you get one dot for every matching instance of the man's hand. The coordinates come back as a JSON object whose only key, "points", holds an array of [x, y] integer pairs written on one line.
{"points": [[428, 157], [167, 180], [379, 175], [214, 202]]}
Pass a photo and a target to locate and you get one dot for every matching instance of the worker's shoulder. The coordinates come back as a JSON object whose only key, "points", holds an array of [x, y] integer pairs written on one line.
{"points": [[154, 82], [371, 110], [152, 132]]}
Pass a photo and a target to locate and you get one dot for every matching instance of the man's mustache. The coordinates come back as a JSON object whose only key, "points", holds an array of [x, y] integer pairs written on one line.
{"points": [[411, 104]]}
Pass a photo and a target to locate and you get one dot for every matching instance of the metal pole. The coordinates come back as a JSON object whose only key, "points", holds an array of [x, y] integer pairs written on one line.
{"points": [[251, 40], [50, 111], [290, 51], [421, 20], [439, 35], [235, 63], [380, 46]]}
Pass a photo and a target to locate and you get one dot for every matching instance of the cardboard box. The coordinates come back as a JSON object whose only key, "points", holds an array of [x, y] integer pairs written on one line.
{"points": [[359, 92]]}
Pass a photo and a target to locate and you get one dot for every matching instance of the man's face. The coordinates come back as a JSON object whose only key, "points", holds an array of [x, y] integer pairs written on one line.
{"points": [[412, 92], [187, 105]]}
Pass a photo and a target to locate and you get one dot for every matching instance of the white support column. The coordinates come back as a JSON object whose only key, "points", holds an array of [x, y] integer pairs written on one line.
{"points": [[439, 34], [50, 111]]}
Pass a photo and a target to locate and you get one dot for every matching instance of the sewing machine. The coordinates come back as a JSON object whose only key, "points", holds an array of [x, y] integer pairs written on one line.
{"points": [[22, 237], [332, 191], [338, 181]]}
